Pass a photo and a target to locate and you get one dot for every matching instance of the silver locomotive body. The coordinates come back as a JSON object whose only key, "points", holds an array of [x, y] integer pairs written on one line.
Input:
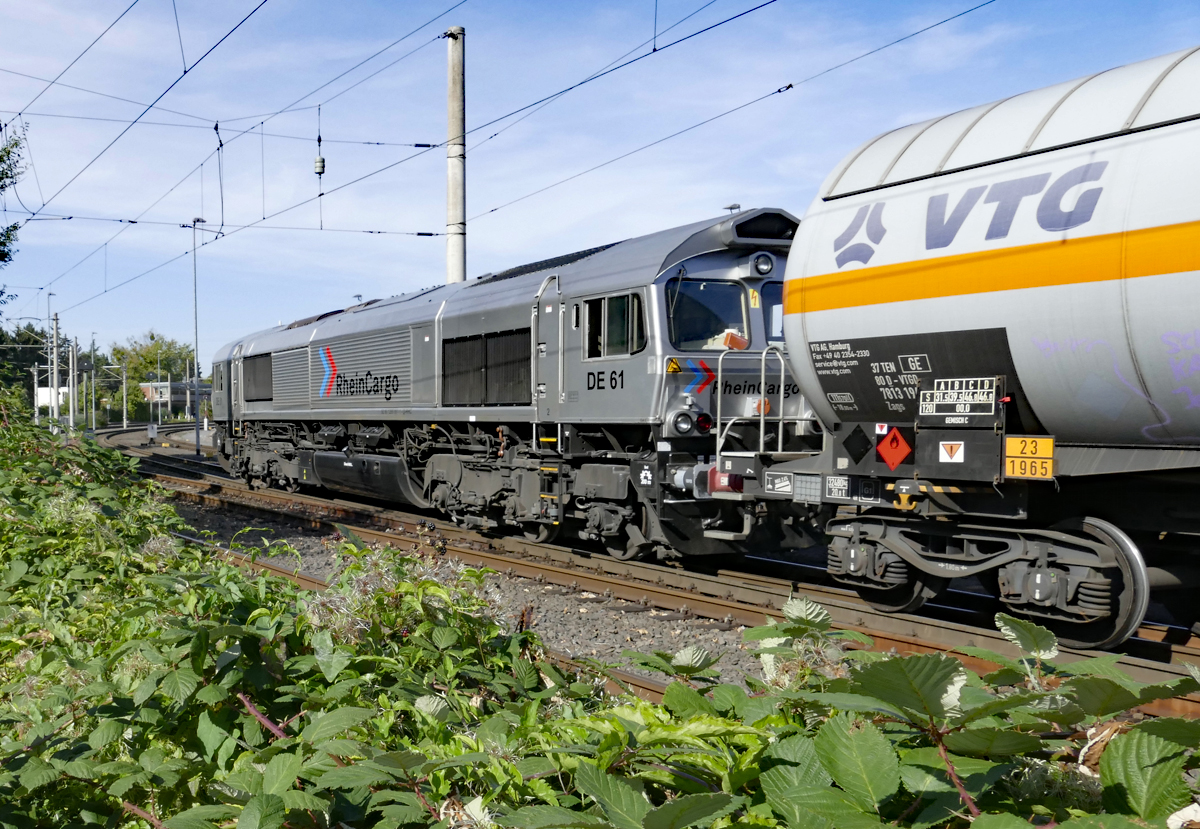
{"points": [[576, 393]]}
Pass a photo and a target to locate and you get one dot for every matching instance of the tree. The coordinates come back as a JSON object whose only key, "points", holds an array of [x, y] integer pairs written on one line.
{"points": [[151, 353], [10, 173], [20, 350]]}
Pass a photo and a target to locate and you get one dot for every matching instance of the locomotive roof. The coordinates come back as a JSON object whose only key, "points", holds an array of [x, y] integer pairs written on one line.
{"points": [[1139, 96], [633, 262]]}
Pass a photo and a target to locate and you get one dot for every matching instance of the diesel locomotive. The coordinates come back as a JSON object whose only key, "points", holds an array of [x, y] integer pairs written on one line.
{"points": [[980, 365], [574, 394]]}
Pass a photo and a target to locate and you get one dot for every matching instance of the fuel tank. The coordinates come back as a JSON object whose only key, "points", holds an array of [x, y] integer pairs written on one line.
{"points": [[1052, 238]]}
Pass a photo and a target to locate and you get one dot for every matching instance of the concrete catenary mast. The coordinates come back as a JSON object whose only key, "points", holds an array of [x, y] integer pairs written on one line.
{"points": [[456, 160]]}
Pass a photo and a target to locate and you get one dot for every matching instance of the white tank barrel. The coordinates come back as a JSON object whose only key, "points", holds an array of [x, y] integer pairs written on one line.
{"points": [[1052, 237]]}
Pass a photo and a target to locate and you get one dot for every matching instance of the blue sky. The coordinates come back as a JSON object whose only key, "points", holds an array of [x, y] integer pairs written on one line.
{"points": [[775, 153]]}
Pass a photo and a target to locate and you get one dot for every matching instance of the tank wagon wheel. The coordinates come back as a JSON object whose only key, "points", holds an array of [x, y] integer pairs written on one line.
{"points": [[1131, 590], [907, 597]]}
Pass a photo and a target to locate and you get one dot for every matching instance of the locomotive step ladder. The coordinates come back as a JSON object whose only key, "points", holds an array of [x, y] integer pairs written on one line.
{"points": [[766, 412]]}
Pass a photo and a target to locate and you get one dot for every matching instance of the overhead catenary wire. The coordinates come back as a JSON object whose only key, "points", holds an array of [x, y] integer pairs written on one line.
{"points": [[77, 58], [737, 108], [655, 143], [253, 225], [751, 102], [162, 95], [239, 134], [423, 151], [426, 148], [179, 33], [208, 126], [538, 109], [415, 155], [188, 253], [203, 118], [361, 81], [292, 106], [619, 66]]}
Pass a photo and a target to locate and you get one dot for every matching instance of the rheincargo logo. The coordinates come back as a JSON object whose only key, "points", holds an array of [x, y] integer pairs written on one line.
{"points": [[339, 385], [331, 371], [368, 384]]}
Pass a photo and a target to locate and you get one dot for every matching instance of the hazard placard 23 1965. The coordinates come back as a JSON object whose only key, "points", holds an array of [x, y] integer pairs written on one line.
{"points": [[1029, 456]]}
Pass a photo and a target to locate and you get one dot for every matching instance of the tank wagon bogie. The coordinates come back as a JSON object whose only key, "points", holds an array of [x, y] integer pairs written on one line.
{"points": [[994, 316], [574, 394]]}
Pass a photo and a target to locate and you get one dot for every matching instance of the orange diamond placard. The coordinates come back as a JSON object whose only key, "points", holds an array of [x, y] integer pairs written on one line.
{"points": [[893, 449]]}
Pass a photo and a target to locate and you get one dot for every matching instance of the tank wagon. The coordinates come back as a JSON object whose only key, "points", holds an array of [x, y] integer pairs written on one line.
{"points": [[574, 393], [996, 316]]}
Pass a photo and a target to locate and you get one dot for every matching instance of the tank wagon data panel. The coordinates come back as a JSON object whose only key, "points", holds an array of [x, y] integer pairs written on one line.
{"points": [[891, 378]]}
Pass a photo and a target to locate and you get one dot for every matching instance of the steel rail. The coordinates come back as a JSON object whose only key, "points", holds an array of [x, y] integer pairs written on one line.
{"points": [[729, 596], [617, 681]]}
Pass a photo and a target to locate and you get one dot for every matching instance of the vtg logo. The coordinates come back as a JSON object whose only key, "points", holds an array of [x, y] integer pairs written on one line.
{"points": [[872, 214], [941, 229]]}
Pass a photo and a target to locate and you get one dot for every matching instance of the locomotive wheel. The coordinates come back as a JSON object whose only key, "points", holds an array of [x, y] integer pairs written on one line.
{"points": [[1131, 594], [907, 597], [541, 533], [626, 549]]}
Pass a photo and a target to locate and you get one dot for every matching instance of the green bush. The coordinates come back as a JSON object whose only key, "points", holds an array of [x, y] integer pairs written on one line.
{"points": [[144, 682]]}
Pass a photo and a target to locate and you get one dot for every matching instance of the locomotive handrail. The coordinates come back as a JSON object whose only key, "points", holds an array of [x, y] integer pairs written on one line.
{"points": [[535, 325], [763, 405]]}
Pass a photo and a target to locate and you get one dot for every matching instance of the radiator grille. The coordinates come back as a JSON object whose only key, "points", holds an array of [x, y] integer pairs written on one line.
{"points": [[487, 370], [508, 368], [463, 372], [289, 378], [256, 378]]}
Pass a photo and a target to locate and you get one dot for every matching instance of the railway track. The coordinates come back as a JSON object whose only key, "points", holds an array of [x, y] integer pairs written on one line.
{"points": [[1156, 654], [618, 681]]}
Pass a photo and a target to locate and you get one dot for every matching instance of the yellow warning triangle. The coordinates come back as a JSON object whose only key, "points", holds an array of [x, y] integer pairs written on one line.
{"points": [[673, 366]]}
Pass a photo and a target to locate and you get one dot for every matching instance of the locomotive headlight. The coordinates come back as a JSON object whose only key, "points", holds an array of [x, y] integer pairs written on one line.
{"points": [[683, 423], [704, 421], [763, 264]]}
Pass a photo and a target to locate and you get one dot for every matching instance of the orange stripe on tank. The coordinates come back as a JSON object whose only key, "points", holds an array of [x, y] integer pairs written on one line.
{"points": [[1148, 252]]}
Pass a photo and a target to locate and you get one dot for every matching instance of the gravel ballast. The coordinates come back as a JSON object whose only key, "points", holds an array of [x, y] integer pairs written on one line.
{"points": [[575, 624]]}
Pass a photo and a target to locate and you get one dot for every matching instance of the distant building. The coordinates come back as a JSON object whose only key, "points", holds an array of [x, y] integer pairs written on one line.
{"points": [[45, 397], [177, 399]]}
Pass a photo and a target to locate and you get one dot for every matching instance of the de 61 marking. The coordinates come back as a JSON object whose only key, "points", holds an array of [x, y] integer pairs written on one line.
{"points": [[605, 381]]}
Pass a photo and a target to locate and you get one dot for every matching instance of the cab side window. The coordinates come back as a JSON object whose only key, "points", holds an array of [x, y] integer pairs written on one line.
{"points": [[616, 326]]}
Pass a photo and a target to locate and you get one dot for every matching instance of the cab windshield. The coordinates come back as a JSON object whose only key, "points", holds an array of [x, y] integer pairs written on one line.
{"points": [[700, 312], [772, 305]]}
